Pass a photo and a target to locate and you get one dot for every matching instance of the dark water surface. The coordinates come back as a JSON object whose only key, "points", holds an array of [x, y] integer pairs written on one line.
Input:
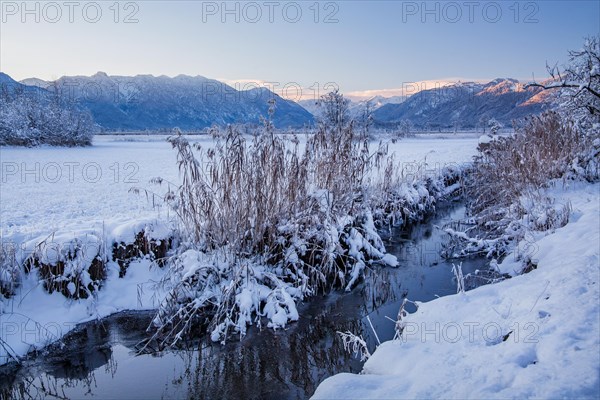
{"points": [[99, 361]]}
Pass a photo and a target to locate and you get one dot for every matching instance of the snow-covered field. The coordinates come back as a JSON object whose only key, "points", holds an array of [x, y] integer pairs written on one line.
{"points": [[62, 193], [533, 336]]}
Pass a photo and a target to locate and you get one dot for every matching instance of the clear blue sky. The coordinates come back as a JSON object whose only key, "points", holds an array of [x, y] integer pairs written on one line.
{"points": [[373, 44]]}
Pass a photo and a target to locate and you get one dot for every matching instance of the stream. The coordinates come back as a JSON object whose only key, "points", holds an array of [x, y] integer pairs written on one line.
{"points": [[99, 360]]}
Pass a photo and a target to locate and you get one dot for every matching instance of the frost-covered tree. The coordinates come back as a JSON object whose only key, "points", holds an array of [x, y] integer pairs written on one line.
{"points": [[367, 119], [483, 121], [578, 84], [456, 126], [494, 126], [34, 118], [335, 111], [406, 127]]}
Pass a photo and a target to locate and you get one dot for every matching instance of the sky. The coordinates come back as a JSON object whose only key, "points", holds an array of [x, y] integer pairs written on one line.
{"points": [[358, 46]]}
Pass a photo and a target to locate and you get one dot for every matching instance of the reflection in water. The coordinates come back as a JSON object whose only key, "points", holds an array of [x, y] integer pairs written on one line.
{"points": [[272, 365], [99, 359]]}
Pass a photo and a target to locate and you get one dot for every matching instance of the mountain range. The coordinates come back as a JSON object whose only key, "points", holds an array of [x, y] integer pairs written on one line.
{"points": [[466, 105], [146, 102]]}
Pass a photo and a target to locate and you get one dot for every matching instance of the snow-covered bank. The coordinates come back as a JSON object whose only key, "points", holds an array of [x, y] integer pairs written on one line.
{"points": [[34, 318], [533, 336], [60, 291]]}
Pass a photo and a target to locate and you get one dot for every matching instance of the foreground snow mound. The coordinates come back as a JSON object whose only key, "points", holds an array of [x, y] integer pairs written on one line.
{"points": [[532, 336]]}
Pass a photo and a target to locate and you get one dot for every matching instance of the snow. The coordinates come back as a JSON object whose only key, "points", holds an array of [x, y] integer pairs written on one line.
{"points": [[485, 139], [280, 309], [436, 149], [536, 335], [48, 189], [390, 260]]}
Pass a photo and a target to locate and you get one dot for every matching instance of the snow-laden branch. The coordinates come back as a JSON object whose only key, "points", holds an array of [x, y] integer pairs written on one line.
{"points": [[564, 84]]}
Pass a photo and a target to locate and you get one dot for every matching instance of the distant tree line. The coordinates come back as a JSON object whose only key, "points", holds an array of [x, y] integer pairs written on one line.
{"points": [[30, 118]]}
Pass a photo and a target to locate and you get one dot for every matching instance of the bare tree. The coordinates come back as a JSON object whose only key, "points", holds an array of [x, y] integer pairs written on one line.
{"points": [[483, 121], [579, 82], [456, 126], [335, 110], [405, 127], [367, 118]]}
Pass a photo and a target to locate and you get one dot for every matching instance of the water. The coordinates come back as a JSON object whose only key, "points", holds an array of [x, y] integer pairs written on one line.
{"points": [[100, 359]]}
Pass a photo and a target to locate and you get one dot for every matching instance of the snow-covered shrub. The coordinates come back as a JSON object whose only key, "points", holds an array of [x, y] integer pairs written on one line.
{"points": [[334, 110], [507, 175], [586, 164], [542, 213], [143, 246], [30, 119], [76, 264], [75, 268], [505, 186], [400, 197]]}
